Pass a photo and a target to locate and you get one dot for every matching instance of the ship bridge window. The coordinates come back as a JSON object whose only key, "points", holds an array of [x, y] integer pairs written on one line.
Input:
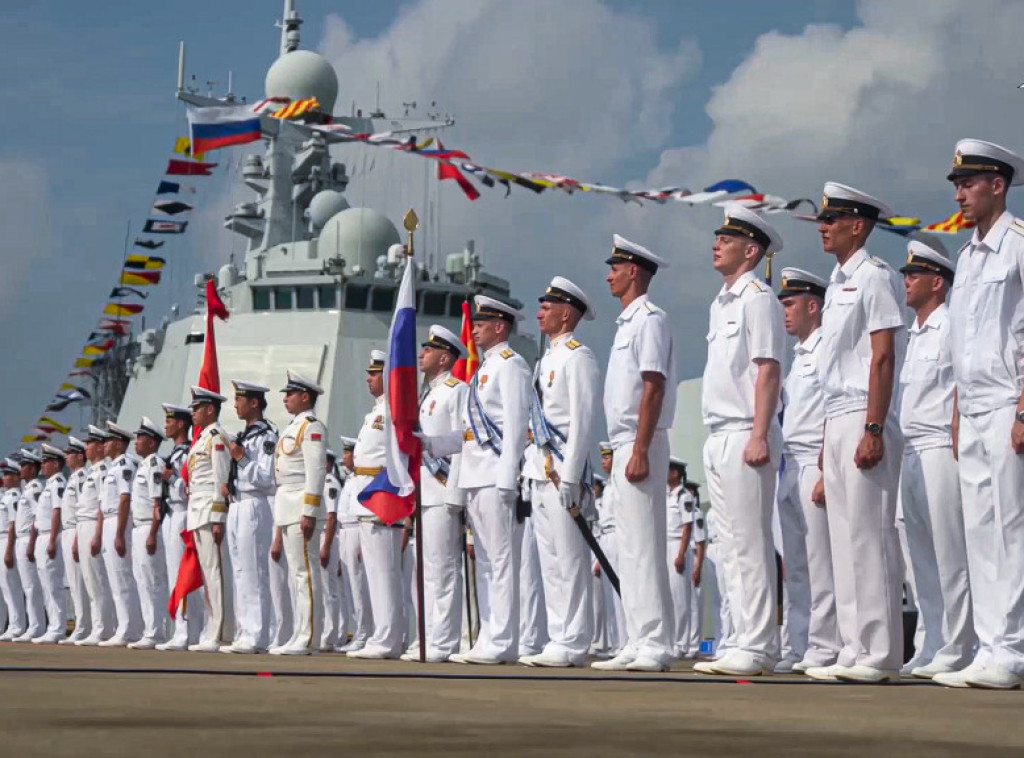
{"points": [[304, 297], [328, 296], [383, 299], [357, 296], [283, 297], [434, 303], [260, 299]]}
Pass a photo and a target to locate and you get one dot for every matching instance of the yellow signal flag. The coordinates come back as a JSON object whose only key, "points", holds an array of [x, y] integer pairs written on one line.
{"points": [[183, 146], [84, 362], [57, 426], [122, 309]]}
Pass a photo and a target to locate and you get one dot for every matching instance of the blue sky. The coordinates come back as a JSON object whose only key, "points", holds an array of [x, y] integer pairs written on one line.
{"points": [[92, 117]]}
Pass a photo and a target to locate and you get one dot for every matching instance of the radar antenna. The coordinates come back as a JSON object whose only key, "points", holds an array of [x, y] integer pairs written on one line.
{"points": [[289, 27]]}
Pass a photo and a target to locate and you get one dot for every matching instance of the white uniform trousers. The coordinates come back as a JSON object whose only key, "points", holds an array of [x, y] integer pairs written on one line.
{"points": [[122, 582], [250, 529], [497, 542], [307, 594], [679, 587], [410, 605], [94, 576], [215, 563], [188, 623], [76, 584], [811, 631], [992, 483], [696, 621], [533, 618], [14, 596], [281, 601], [355, 590], [151, 581], [641, 534], [861, 507], [51, 581], [381, 548], [442, 577], [615, 637], [33, 588], [331, 583], [565, 573], [742, 497], [933, 515], [715, 580]]}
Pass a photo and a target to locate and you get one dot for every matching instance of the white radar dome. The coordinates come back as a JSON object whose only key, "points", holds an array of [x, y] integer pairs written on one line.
{"points": [[301, 74], [325, 204], [359, 235]]}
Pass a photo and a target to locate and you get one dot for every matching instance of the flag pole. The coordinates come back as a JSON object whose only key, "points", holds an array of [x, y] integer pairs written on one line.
{"points": [[411, 222]]}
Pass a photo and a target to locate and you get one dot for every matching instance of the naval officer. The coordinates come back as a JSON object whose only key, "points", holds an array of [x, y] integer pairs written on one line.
{"points": [[300, 469], [250, 524], [358, 622], [741, 393], [49, 558], [987, 324], [10, 580], [639, 405], [612, 638], [862, 344], [811, 634], [566, 383], [75, 459], [330, 578], [24, 523], [209, 464], [90, 540]]}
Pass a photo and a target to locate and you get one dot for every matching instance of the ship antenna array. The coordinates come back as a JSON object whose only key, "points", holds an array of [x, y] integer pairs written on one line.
{"points": [[289, 26]]}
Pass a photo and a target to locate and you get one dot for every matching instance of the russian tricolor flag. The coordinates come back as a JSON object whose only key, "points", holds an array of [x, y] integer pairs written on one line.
{"points": [[221, 126], [392, 493]]}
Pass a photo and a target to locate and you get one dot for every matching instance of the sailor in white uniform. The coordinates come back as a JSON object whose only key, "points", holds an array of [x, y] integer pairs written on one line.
{"points": [[90, 540], [810, 629], [443, 503], [863, 338], [986, 309], [115, 508], [566, 385], [329, 577], [75, 459], [250, 526], [24, 523], [741, 394], [639, 405], [300, 469], [929, 482], [613, 637], [696, 560], [46, 545], [10, 580], [148, 559], [209, 464], [356, 592], [189, 618], [679, 530], [380, 544]]}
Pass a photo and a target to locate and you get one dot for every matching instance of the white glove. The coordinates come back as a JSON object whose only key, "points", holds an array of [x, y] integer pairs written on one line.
{"points": [[568, 494], [425, 440], [507, 498]]}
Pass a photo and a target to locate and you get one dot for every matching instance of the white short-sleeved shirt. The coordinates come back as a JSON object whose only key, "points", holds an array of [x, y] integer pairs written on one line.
{"points": [[745, 326], [643, 343], [864, 296], [117, 482], [9, 508], [986, 307], [679, 511], [926, 384], [27, 504], [51, 497], [69, 505], [332, 494], [803, 420], [147, 486]]}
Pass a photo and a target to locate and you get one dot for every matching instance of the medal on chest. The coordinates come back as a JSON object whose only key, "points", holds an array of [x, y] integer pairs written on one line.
{"points": [[551, 378], [378, 422], [483, 380], [430, 410]]}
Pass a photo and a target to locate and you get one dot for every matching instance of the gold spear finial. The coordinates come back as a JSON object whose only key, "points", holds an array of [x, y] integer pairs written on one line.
{"points": [[411, 222]]}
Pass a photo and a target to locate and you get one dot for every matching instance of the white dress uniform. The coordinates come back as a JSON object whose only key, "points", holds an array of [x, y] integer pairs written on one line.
{"points": [[189, 618], [567, 382], [494, 425], [209, 464], [714, 581], [72, 567], [51, 570], [698, 535], [300, 470], [10, 579], [987, 327], [643, 344], [379, 544], [679, 513], [864, 296], [930, 496], [611, 640], [150, 569], [533, 620], [356, 591], [24, 520], [329, 578], [250, 533], [118, 482], [94, 575], [810, 633], [443, 503]]}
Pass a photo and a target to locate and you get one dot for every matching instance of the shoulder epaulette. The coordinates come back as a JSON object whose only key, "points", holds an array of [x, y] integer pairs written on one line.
{"points": [[451, 381], [650, 307], [573, 344], [1017, 226], [214, 431], [757, 285], [878, 262], [506, 353], [311, 419]]}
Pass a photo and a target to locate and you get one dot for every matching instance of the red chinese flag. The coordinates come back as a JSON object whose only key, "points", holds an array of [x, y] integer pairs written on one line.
{"points": [[209, 374], [190, 575]]}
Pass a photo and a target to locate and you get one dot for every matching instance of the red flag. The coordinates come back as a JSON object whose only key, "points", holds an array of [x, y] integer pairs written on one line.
{"points": [[448, 171], [189, 168], [190, 575], [209, 374], [464, 368]]}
